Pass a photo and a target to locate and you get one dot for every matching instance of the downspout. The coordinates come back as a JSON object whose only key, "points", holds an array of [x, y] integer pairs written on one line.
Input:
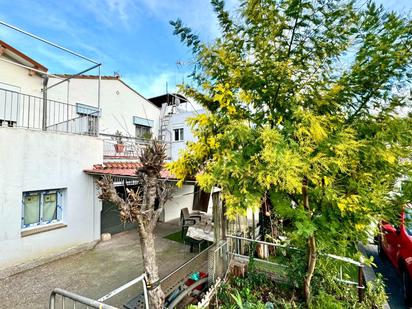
{"points": [[44, 122], [99, 85]]}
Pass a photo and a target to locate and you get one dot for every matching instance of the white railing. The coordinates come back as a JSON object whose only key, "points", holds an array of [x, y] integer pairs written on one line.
{"points": [[127, 285], [31, 112], [60, 298], [130, 147]]}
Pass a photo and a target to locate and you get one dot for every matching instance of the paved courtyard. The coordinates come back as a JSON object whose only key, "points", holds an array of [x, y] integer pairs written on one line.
{"points": [[93, 273]]}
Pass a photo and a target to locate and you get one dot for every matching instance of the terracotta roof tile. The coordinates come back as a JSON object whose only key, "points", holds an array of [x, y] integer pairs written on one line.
{"points": [[122, 169]]}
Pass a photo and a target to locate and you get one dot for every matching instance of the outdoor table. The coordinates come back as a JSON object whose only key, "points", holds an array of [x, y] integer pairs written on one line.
{"points": [[205, 216], [201, 230]]}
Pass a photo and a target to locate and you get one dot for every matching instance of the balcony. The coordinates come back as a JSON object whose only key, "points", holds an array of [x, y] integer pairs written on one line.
{"points": [[129, 148], [31, 112]]}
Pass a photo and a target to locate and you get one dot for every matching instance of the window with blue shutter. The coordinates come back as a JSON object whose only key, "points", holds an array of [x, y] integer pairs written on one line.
{"points": [[41, 207]]}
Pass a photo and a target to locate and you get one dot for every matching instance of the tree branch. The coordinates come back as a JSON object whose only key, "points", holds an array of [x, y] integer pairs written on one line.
{"points": [[272, 122]]}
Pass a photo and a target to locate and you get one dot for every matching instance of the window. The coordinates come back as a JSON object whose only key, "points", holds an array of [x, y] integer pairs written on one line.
{"points": [[143, 131], [9, 104], [41, 207], [178, 133], [143, 127], [88, 119]]}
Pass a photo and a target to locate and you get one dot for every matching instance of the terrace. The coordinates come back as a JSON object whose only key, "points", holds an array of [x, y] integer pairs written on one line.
{"points": [[129, 147], [21, 110]]}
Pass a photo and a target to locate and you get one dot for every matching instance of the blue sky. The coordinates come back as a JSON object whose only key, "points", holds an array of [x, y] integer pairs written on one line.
{"points": [[132, 37]]}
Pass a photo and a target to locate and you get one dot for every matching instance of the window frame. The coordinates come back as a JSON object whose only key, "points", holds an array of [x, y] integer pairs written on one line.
{"points": [[180, 134], [140, 127], [41, 222]]}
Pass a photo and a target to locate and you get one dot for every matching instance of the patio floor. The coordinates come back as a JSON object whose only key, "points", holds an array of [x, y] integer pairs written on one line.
{"points": [[93, 273]]}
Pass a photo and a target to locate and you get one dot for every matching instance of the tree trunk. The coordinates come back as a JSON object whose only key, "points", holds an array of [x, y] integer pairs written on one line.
{"points": [[139, 206], [146, 231], [150, 191], [311, 242], [156, 295], [311, 269]]}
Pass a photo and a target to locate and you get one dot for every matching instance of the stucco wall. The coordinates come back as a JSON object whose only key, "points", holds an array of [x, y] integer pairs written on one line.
{"points": [[178, 121], [17, 76], [34, 160], [118, 103], [183, 197]]}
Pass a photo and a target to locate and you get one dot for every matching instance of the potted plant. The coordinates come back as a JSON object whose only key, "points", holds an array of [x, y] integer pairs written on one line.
{"points": [[119, 146]]}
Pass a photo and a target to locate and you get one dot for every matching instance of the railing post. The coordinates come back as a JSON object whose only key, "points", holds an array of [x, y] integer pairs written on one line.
{"points": [[52, 300], [146, 298], [361, 287], [44, 122]]}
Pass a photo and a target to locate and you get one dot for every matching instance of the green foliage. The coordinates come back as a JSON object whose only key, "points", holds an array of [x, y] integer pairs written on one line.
{"points": [[375, 296], [118, 137], [327, 301], [247, 293], [304, 90]]}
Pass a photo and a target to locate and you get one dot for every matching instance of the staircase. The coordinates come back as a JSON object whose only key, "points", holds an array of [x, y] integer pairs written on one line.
{"points": [[165, 134]]}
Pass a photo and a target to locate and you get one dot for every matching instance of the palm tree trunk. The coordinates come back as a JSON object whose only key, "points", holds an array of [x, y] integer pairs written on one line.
{"points": [[156, 295], [147, 237]]}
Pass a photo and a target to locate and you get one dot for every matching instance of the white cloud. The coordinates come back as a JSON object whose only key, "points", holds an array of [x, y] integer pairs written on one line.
{"points": [[111, 12]]}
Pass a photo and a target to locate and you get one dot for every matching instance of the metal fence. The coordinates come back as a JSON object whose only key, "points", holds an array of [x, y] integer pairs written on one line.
{"points": [[144, 301], [219, 258], [129, 147], [63, 299], [27, 111], [349, 271]]}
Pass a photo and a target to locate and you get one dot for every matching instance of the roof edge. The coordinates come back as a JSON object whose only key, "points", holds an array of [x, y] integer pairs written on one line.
{"points": [[36, 64]]}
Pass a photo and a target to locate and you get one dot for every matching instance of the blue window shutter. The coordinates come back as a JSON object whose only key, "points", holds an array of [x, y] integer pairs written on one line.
{"points": [[22, 211], [59, 205], [143, 121]]}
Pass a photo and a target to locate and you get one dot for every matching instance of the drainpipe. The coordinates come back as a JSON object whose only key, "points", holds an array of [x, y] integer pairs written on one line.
{"points": [[45, 81]]}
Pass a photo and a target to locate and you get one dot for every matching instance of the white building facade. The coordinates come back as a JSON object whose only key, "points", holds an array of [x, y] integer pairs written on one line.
{"points": [[48, 204], [121, 107], [174, 128]]}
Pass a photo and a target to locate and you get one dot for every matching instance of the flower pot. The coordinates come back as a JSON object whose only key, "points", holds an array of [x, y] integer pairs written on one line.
{"points": [[119, 147]]}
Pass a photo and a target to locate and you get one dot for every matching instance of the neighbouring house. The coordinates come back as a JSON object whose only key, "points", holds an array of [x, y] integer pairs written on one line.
{"points": [[174, 130], [54, 144]]}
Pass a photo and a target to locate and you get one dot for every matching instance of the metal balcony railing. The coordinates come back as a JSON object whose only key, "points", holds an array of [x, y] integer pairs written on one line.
{"points": [[31, 112], [129, 147]]}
